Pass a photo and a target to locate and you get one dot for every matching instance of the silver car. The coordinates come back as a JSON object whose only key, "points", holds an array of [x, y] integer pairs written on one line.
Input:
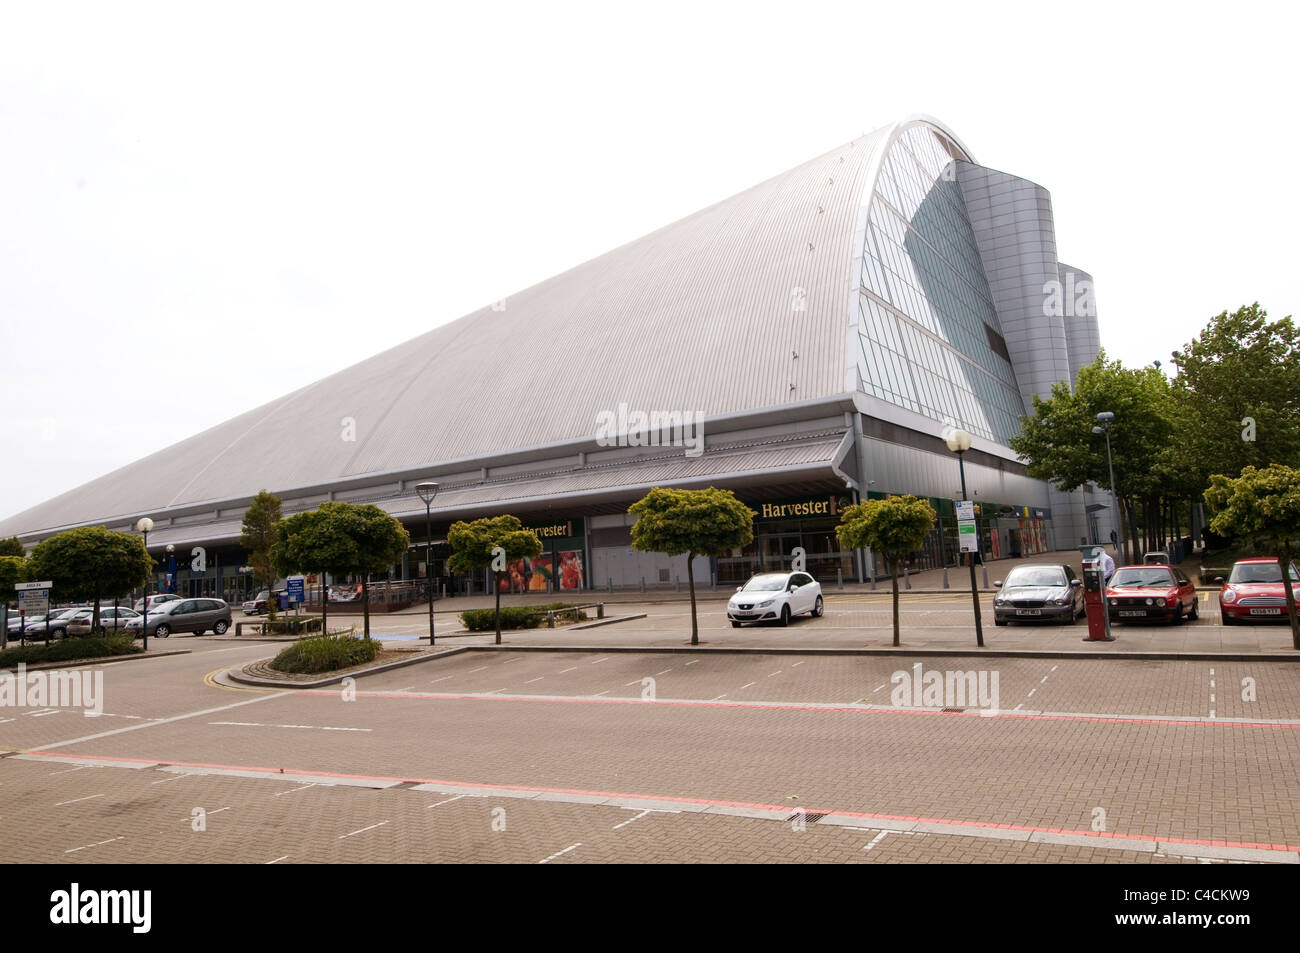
{"points": [[185, 615]]}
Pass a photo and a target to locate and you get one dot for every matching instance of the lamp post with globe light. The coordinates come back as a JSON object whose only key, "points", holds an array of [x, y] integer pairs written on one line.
{"points": [[958, 442], [1104, 420], [144, 525], [427, 492]]}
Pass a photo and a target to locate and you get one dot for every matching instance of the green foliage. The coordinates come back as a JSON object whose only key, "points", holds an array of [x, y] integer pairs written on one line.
{"points": [[326, 653], [472, 543], [708, 522], [91, 563], [1264, 503], [259, 535], [892, 528], [519, 617], [338, 538], [13, 569], [64, 650], [12, 547]]}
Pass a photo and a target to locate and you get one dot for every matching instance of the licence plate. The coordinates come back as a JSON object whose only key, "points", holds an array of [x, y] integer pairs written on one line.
{"points": [[1138, 612], [1265, 611], [1029, 612]]}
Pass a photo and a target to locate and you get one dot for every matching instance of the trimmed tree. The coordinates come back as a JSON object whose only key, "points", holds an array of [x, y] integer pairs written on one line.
{"points": [[892, 529], [12, 571], [1262, 503], [259, 535], [472, 545], [340, 538], [708, 522], [12, 547], [91, 563]]}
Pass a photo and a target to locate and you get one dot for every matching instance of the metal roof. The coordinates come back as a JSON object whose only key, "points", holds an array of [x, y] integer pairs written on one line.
{"points": [[698, 316]]}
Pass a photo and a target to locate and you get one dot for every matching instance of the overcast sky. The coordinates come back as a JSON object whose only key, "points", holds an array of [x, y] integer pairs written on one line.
{"points": [[205, 206]]}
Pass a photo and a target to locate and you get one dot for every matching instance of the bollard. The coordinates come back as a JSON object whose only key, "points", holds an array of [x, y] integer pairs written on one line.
{"points": [[840, 571], [986, 576], [713, 580], [907, 578], [945, 577], [677, 584], [550, 618], [600, 610], [873, 579], [609, 587], [643, 585]]}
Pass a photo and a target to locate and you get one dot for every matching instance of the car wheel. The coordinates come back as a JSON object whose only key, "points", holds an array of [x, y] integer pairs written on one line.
{"points": [[1196, 609], [1178, 618], [818, 608], [735, 624], [997, 621], [163, 631], [785, 615], [221, 627]]}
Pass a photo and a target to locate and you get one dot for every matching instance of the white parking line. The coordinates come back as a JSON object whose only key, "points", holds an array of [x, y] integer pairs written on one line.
{"points": [[559, 853], [878, 838], [630, 820], [537, 679], [518, 658], [635, 681], [303, 788], [715, 699], [481, 668], [88, 846], [796, 663], [278, 859], [664, 672], [743, 687], [597, 662], [69, 770], [562, 671], [692, 661], [777, 672], [443, 679], [448, 801], [89, 797], [363, 830]]}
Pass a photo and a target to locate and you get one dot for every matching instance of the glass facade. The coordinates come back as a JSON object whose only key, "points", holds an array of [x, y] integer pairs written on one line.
{"points": [[929, 334]]}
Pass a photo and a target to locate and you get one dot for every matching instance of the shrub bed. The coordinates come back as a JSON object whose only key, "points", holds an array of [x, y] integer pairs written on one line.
{"points": [[519, 617], [65, 650], [325, 653]]}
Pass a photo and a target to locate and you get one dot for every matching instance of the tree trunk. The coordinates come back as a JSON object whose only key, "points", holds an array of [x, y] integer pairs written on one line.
{"points": [[1284, 561], [365, 602], [690, 578], [94, 618], [893, 579], [324, 604], [497, 577]]}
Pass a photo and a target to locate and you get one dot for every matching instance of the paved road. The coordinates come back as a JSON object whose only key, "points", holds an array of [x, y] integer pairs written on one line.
{"points": [[566, 757]]}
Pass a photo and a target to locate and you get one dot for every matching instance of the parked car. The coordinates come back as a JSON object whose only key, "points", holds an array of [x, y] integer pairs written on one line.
{"points": [[1039, 592], [18, 624], [110, 619], [1254, 593], [185, 615], [1150, 592], [156, 600], [57, 622], [775, 596], [257, 605]]}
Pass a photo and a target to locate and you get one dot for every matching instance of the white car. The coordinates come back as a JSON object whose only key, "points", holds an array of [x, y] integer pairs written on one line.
{"points": [[775, 596]]}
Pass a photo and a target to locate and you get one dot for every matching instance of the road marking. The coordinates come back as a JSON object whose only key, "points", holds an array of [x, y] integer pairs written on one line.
{"points": [[90, 797], [878, 838], [777, 672], [605, 692], [715, 699], [796, 663], [42, 714], [562, 671], [692, 661], [303, 788], [177, 778], [88, 846], [560, 853], [599, 660], [481, 668], [537, 679], [443, 679], [55, 774], [1055, 667], [517, 658], [630, 820], [258, 724], [207, 814], [664, 672], [1043, 680], [363, 830], [877, 689], [1031, 693], [448, 801], [743, 687], [635, 681], [278, 859]]}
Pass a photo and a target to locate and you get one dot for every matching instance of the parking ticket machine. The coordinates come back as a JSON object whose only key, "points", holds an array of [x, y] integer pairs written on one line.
{"points": [[1094, 595]]}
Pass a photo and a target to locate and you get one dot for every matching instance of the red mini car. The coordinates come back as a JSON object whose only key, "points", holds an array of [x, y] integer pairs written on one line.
{"points": [[1150, 592], [1254, 593]]}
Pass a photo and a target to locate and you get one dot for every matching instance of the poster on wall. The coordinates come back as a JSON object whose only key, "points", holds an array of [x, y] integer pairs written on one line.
{"points": [[570, 568], [995, 542], [529, 575]]}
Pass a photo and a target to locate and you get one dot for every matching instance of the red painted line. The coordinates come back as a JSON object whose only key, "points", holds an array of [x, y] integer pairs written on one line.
{"points": [[776, 706], [712, 802]]}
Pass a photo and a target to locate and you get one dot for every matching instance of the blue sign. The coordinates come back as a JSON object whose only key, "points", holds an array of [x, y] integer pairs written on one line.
{"points": [[296, 589]]}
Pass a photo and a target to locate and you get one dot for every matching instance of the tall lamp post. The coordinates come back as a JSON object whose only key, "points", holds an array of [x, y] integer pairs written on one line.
{"points": [[427, 492], [958, 442], [144, 525], [1103, 427]]}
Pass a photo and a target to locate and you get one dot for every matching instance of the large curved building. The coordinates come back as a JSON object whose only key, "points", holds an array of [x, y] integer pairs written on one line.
{"points": [[804, 343]]}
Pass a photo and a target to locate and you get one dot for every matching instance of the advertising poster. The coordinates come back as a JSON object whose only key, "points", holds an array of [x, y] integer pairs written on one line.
{"points": [[570, 561]]}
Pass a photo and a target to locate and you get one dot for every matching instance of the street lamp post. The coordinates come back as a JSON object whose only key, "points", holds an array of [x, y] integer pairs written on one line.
{"points": [[427, 492], [1104, 421], [958, 442], [144, 525]]}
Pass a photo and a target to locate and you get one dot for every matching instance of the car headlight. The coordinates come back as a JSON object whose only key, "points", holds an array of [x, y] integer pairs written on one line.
{"points": [[763, 605], [1229, 595]]}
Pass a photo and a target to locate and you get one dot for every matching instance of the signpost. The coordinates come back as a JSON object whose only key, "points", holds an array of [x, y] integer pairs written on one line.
{"points": [[34, 597], [966, 532]]}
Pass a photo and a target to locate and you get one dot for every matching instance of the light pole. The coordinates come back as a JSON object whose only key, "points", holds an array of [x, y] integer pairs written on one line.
{"points": [[958, 442], [144, 525], [1103, 427], [427, 492]]}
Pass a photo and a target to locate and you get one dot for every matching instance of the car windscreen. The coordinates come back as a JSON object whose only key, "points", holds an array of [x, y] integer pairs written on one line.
{"points": [[1260, 572], [765, 584], [1035, 576], [1137, 578]]}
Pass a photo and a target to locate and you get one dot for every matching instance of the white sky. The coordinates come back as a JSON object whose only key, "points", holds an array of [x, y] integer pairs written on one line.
{"points": [[203, 207]]}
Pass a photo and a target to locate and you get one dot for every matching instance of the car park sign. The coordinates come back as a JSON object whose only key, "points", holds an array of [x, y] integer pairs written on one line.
{"points": [[966, 532], [33, 597], [295, 589]]}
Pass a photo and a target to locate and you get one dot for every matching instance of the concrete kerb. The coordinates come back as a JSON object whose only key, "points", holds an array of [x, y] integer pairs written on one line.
{"points": [[102, 660], [237, 675]]}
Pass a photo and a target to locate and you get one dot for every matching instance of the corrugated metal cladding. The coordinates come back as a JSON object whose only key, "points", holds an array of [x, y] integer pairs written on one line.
{"points": [[701, 315]]}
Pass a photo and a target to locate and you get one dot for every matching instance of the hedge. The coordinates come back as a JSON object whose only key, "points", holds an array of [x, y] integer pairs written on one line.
{"points": [[64, 650], [325, 653], [519, 617]]}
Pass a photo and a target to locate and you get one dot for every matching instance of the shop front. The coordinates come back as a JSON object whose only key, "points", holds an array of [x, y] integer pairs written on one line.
{"points": [[781, 527]]}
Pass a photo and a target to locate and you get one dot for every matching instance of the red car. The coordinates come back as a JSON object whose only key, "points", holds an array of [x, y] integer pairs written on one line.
{"points": [[1150, 592], [1254, 592]]}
